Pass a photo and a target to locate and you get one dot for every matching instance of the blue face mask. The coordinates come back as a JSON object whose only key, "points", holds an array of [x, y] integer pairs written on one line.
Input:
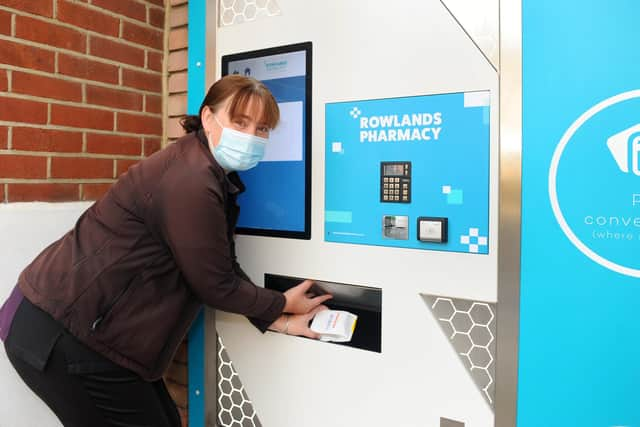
{"points": [[238, 151]]}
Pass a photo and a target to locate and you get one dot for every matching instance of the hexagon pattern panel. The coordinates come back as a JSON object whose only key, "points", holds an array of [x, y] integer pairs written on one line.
{"points": [[471, 329], [479, 20], [234, 406], [233, 12]]}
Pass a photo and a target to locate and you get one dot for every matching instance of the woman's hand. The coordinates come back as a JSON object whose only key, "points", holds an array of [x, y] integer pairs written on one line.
{"points": [[299, 301], [297, 324]]}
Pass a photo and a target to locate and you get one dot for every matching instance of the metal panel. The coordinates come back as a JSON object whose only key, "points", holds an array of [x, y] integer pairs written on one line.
{"points": [[471, 329], [479, 20], [509, 215]]}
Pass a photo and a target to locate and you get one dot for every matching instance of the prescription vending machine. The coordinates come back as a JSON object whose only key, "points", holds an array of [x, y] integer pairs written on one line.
{"points": [[460, 175]]}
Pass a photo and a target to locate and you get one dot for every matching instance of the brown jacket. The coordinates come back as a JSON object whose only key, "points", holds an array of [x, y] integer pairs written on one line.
{"points": [[131, 276]]}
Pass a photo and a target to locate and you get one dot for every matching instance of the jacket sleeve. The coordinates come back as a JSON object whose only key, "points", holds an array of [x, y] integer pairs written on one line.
{"points": [[261, 325], [190, 216]]}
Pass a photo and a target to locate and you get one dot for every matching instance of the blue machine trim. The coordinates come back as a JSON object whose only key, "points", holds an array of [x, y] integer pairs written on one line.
{"points": [[195, 92]]}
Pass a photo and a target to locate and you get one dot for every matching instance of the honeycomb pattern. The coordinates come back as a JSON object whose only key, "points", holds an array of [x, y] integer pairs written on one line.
{"points": [[471, 329], [479, 20], [234, 406], [238, 11]]}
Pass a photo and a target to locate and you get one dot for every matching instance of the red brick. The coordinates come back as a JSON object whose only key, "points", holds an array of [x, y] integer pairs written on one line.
{"points": [[37, 7], [143, 35], [4, 84], [26, 167], [156, 2], [153, 104], [87, 69], [123, 165], [114, 98], [46, 87], [178, 38], [38, 139], [81, 167], [4, 138], [2, 198], [44, 32], [42, 192], [151, 145], [116, 51], [178, 393], [184, 416], [81, 117], [136, 123], [113, 144], [141, 80], [25, 56], [94, 191], [22, 110], [156, 17], [86, 18], [154, 61], [130, 8], [5, 24]]}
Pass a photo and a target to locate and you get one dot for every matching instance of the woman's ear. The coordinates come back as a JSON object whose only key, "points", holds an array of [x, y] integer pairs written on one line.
{"points": [[206, 117]]}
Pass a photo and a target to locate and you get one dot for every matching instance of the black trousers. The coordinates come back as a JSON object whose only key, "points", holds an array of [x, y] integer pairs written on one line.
{"points": [[84, 389]]}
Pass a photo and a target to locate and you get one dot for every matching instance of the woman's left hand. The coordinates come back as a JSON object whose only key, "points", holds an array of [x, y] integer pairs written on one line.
{"points": [[298, 324]]}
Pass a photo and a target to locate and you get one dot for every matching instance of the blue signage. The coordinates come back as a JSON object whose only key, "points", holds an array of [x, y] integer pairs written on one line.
{"points": [[579, 352], [409, 172]]}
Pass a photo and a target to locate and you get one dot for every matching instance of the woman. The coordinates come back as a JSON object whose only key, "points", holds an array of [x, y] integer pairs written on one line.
{"points": [[97, 317]]}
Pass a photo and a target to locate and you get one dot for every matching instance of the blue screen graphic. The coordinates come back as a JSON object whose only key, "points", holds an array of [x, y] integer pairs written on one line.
{"points": [[444, 137], [275, 198]]}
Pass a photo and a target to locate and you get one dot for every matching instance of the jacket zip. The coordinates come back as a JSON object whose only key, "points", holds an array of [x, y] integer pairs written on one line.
{"points": [[104, 314]]}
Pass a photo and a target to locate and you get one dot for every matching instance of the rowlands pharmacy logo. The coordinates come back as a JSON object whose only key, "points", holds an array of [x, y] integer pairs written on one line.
{"points": [[594, 183], [625, 148]]}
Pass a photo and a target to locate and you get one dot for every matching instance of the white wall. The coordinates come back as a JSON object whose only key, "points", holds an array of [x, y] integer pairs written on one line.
{"points": [[367, 50], [26, 229]]}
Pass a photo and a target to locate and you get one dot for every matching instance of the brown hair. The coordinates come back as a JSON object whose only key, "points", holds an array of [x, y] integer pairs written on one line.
{"points": [[242, 90]]}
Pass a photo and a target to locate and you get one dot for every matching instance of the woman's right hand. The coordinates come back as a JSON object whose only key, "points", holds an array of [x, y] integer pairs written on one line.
{"points": [[299, 323], [299, 301]]}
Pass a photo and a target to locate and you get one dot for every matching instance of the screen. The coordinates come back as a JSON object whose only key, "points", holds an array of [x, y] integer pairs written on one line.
{"points": [[277, 199], [393, 169]]}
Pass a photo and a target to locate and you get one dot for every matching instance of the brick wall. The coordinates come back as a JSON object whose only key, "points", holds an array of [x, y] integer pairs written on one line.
{"points": [[81, 100], [176, 97], [80, 94], [177, 68]]}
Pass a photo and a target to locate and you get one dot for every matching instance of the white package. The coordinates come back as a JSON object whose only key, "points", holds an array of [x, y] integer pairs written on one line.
{"points": [[334, 325]]}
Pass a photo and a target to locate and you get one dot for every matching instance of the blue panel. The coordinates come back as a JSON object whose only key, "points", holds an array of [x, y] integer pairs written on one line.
{"points": [[579, 350], [195, 94], [196, 367], [196, 55], [446, 139]]}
